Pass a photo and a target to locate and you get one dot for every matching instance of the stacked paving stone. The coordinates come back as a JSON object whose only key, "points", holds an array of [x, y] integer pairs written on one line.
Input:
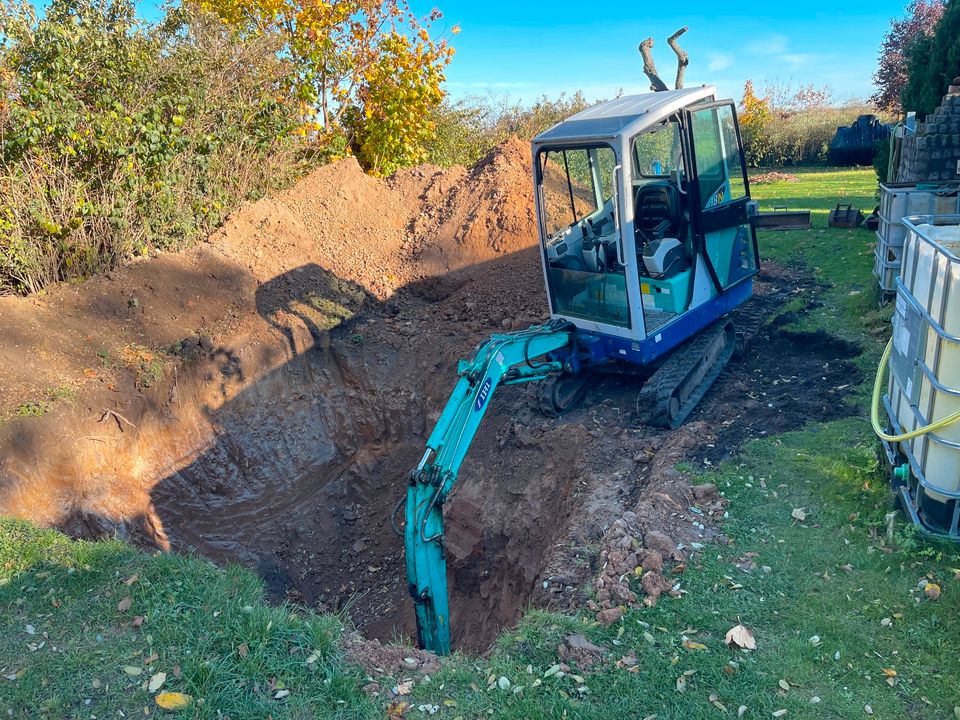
{"points": [[933, 153]]}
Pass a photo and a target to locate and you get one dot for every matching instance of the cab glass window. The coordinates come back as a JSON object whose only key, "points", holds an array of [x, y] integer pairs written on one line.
{"points": [[658, 153], [719, 167]]}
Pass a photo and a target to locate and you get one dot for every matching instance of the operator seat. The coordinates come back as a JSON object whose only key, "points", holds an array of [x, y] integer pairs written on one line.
{"points": [[658, 213]]}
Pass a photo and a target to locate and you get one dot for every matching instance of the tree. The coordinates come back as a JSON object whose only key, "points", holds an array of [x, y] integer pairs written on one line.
{"points": [[933, 61], [650, 67], [365, 69], [891, 75], [754, 117]]}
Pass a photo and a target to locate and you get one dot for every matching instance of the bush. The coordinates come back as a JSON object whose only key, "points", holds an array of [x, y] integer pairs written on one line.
{"points": [[787, 127], [466, 130], [117, 139]]}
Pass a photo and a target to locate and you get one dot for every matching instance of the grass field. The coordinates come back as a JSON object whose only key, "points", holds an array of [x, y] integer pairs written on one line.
{"points": [[842, 624]]}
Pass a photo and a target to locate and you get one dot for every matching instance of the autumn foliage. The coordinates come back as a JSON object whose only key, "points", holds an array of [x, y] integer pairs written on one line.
{"points": [[367, 72], [892, 66]]}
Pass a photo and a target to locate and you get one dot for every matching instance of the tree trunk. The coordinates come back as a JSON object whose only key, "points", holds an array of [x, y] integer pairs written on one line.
{"points": [[649, 67], [683, 59]]}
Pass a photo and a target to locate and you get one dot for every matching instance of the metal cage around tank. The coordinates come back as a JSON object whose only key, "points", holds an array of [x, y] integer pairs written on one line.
{"points": [[924, 382]]}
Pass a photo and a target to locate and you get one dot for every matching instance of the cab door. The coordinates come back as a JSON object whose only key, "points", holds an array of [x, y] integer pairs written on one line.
{"points": [[719, 194]]}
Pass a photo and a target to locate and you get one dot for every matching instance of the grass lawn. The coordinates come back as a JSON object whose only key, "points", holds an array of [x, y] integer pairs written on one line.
{"points": [[842, 623]]}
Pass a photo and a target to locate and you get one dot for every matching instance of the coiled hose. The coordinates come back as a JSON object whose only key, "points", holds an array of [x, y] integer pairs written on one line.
{"points": [[875, 408]]}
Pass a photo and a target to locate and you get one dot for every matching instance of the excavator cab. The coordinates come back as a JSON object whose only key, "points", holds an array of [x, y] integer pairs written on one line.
{"points": [[643, 210]]}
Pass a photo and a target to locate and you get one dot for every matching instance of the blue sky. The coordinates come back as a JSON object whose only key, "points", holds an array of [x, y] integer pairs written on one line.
{"points": [[529, 49], [524, 50]]}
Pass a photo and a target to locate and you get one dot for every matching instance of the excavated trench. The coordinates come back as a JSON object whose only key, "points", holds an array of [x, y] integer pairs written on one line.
{"points": [[308, 463], [285, 443]]}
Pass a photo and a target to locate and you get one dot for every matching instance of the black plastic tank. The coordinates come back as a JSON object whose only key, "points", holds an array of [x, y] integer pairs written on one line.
{"points": [[857, 143]]}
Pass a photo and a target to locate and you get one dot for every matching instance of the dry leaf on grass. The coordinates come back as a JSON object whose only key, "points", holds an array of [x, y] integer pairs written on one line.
{"points": [[742, 637], [125, 604], [799, 514], [173, 700], [157, 681]]}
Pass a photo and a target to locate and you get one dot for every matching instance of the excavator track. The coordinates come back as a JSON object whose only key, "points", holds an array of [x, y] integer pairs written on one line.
{"points": [[750, 317], [673, 391], [558, 394]]}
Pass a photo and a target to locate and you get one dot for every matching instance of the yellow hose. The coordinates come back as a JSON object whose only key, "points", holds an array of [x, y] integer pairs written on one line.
{"points": [[875, 408]]}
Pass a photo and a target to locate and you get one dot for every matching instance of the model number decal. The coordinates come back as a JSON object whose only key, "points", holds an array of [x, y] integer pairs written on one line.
{"points": [[483, 394]]}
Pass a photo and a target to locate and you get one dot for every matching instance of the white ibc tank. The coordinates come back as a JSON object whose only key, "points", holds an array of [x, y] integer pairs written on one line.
{"points": [[925, 362]]}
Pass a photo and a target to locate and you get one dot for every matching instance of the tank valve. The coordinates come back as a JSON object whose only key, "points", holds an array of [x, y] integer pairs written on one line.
{"points": [[901, 473]]}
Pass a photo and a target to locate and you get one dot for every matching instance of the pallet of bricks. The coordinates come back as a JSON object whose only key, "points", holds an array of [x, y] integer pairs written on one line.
{"points": [[900, 200]]}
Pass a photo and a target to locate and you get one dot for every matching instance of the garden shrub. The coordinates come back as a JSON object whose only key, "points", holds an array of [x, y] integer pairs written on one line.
{"points": [[117, 139]]}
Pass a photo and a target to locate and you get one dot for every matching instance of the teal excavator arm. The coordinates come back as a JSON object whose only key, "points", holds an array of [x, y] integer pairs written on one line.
{"points": [[503, 359]]}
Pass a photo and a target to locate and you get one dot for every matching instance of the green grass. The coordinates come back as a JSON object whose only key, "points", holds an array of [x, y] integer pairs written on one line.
{"points": [[68, 636], [835, 576]]}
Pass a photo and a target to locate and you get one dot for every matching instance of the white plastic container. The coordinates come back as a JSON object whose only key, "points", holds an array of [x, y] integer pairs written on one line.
{"points": [[924, 384], [901, 200]]}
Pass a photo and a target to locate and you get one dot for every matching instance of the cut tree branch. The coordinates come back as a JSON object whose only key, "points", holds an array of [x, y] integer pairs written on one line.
{"points": [[649, 67], [682, 58]]}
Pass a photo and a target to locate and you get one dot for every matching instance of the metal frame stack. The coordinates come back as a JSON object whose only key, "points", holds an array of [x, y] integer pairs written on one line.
{"points": [[897, 201]]}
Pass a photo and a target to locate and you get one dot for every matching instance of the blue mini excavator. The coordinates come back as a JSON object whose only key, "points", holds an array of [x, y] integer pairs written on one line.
{"points": [[644, 217]]}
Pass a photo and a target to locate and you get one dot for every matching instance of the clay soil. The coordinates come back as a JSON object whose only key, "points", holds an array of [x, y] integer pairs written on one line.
{"points": [[262, 398]]}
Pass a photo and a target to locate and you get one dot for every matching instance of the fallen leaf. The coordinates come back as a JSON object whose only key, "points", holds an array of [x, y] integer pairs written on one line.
{"points": [[799, 514], [132, 670], [889, 672], [173, 700], [405, 687], [281, 694], [243, 650], [784, 685], [779, 713], [932, 591], [886, 622], [31, 630], [397, 710], [868, 710], [691, 645], [132, 579], [682, 684], [137, 621], [157, 681], [715, 701], [125, 604], [742, 637]]}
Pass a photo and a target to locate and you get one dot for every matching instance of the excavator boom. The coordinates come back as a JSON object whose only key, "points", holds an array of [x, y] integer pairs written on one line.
{"points": [[503, 359]]}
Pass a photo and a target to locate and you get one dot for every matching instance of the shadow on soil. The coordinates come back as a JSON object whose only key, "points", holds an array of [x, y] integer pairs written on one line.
{"points": [[304, 466]]}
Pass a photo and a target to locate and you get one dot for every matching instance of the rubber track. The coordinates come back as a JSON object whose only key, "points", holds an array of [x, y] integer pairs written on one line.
{"points": [[654, 399], [542, 396]]}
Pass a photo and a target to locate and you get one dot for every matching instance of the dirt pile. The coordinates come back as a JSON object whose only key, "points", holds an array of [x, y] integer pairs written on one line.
{"points": [[384, 234]]}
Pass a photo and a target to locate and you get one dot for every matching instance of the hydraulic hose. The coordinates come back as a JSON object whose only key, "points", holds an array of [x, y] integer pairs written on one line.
{"points": [[875, 408]]}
